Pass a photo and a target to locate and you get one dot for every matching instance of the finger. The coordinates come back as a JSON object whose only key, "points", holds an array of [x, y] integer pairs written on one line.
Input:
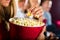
{"points": [[37, 9], [32, 8], [39, 12]]}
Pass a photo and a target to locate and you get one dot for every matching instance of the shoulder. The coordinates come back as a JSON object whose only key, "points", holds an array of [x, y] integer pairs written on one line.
{"points": [[47, 13]]}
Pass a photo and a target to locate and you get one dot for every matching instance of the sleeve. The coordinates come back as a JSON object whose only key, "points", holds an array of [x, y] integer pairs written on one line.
{"points": [[48, 17], [20, 14]]}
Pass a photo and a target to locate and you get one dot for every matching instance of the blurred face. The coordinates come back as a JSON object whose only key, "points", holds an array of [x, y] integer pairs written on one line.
{"points": [[34, 3], [23, 4], [47, 5], [5, 3]]}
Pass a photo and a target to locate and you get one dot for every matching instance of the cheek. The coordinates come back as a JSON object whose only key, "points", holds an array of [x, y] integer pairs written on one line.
{"points": [[4, 3], [45, 6]]}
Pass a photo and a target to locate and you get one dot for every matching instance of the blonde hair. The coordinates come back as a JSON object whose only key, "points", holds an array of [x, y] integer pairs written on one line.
{"points": [[10, 9], [13, 7]]}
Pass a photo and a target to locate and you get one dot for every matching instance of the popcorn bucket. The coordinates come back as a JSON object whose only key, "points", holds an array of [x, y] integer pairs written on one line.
{"points": [[3, 32], [24, 32], [0, 32]]}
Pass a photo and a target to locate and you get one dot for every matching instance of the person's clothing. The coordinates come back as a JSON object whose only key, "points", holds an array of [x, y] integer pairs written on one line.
{"points": [[20, 13], [49, 26], [53, 28], [4, 16], [7, 14], [47, 15]]}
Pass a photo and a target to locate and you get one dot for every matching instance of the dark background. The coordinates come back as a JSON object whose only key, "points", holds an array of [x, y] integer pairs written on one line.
{"points": [[55, 11]]}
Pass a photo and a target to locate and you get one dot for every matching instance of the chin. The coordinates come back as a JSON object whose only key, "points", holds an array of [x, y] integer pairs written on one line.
{"points": [[5, 5]]}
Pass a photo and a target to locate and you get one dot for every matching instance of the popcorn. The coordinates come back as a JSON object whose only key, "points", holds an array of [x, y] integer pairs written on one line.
{"points": [[26, 22]]}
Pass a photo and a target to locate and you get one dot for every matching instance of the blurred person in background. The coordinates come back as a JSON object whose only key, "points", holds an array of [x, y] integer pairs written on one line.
{"points": [[46, 4], [7, 10], [22, 6]]}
